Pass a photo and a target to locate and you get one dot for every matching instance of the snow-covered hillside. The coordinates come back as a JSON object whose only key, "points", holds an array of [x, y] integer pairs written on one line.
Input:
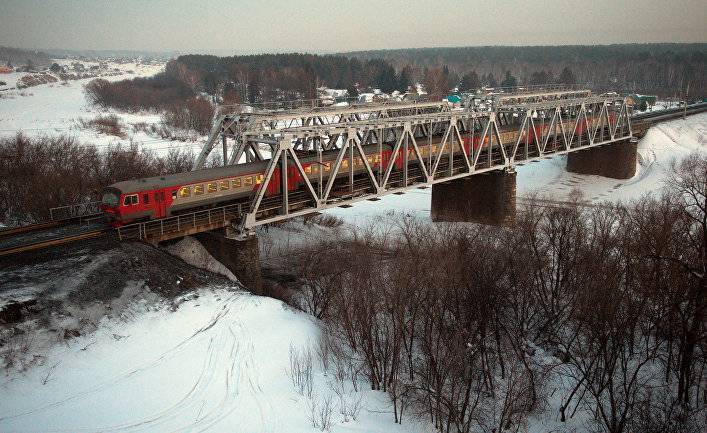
{"points": [[218, 363], [62, 108]]}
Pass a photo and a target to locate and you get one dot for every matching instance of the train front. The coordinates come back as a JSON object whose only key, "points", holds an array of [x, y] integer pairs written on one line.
{"points": [[110, 205]]}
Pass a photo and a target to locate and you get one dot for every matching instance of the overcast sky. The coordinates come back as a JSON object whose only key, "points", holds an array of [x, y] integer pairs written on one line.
{"points": [[326, 26]]}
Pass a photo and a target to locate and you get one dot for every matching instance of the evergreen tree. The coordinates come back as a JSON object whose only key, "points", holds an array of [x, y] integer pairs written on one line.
{"points": [[490, 80], [509, 80], [469, 82], [566, 76], [386, 79], [352, 91], [405, 79]]}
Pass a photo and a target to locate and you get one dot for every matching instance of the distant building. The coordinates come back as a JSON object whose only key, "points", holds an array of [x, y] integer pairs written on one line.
{"points": [[641, 102], [5, 70]]}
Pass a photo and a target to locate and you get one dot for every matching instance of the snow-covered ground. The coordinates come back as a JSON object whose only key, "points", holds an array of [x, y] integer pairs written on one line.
{"points": [[218, 363], [60, 108]]}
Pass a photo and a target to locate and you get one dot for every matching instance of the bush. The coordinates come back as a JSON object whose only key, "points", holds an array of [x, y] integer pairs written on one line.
{"points": [[109, 125], [194, 114], [156, 92], [37, 174]]}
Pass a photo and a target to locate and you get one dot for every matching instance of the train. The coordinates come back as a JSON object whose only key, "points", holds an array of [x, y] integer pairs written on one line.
{"points": [[164, 196]]}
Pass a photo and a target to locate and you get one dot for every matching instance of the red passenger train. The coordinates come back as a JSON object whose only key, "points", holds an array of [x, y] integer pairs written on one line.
{"points": [[163, 196]]}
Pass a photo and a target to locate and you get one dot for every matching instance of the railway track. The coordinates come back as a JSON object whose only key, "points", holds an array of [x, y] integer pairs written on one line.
{"points": [[38, 245], [28, 228]]}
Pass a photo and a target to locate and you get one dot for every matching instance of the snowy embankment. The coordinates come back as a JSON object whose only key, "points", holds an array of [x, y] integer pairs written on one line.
{"points": [[217, 363], [62, 108]]}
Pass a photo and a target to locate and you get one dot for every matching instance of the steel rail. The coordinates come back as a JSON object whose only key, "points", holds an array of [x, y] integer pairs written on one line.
{"points": [[51, 242], [28, 228]]}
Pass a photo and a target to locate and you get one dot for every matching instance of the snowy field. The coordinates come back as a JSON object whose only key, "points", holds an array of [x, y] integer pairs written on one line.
{"points": [[60, 108]]}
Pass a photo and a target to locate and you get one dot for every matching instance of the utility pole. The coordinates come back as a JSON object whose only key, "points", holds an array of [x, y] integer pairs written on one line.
{"points": [[687, 90]]}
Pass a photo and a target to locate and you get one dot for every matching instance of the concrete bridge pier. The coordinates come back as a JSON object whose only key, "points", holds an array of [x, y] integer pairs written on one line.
{"points": [[240, 256], [616, 160], [488, 198]]}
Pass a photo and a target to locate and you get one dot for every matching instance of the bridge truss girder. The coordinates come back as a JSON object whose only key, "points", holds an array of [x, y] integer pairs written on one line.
{"points": [[606, 121], [230, 127]]}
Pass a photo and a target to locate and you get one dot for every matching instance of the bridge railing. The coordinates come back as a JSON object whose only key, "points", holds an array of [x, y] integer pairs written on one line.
{"points": [[180, 225], [75, 211]]}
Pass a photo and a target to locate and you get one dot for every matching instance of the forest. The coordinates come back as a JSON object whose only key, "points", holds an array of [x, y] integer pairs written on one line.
{"points": [[589, 313], [668, 70], [663, 69]]}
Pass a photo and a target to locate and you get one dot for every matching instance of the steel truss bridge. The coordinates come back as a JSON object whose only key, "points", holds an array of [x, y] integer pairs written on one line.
{"points": [[425, 139]]}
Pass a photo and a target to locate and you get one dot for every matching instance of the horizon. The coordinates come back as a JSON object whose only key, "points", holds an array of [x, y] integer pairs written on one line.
{"points": [[47, 50], [244, 28]]}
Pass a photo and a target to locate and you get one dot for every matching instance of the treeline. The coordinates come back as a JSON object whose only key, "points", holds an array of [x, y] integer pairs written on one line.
{"points": [[17, 57], [663, 69], [574, 312], [39, 173], [270, 77]]}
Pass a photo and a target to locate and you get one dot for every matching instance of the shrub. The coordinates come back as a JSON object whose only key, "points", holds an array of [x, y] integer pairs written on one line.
{"points": [[39, 173], [155, 92], [194, 114], [109, 125]]}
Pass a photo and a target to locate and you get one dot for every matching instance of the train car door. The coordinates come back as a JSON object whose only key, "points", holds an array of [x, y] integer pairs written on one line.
{"points": [[160, 205]]}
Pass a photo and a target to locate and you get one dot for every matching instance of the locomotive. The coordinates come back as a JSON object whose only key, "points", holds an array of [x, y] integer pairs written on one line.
{"points": [[163, 196]]}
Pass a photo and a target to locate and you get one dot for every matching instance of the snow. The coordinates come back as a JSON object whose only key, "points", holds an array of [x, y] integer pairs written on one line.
{"points": [[59, 108], [216, 364], [192, 252]]}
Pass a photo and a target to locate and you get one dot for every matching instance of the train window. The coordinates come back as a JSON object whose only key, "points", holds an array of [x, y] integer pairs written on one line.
{"points": [[130, 200], [224, 184], [327, 167], [308, 169], [345, 164], [146, 198], [259, 179], [248, 180], [184, 192], [198, 189], [237, 182], [211, 187]]}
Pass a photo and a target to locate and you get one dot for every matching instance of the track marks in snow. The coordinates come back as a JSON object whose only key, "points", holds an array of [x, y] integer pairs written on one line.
{"points": [[205, 380]]}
